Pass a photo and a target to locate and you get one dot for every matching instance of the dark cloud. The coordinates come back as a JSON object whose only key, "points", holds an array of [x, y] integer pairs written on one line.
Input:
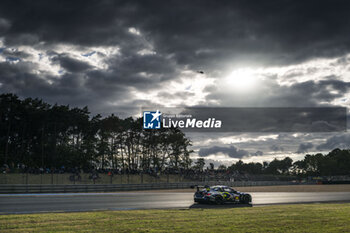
{"points": [[67, 89], [337, 141], [276, 148], [81, 25], [206, 36], [272, 119], [240, 31], [79, 22], [232, 151], [258, 153], [71, 64], [15, 53], [304, 147], [194, 32], [4, 25]]}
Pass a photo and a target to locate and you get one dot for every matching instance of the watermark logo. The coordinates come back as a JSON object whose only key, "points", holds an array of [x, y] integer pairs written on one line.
{"points": [[225, 119], [151, 119]]}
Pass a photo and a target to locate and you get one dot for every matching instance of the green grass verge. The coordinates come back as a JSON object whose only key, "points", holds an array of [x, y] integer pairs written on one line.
{"points": [[278, 218]]}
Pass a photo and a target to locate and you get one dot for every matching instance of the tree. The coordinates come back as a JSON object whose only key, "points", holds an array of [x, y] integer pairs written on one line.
{"points": [[211, 166], [199, 164], [38, 134], [222, 167]]}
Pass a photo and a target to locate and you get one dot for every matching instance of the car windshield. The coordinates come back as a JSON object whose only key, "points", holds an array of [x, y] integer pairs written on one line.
{"points": [[228, 190]]}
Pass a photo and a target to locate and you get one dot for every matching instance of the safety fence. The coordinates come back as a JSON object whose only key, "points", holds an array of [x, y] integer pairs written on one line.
{"points": [[87, 178], [15, 188]]}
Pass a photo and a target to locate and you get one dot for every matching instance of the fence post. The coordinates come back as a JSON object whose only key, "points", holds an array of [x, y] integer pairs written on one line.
{"points": [[141, 178]]}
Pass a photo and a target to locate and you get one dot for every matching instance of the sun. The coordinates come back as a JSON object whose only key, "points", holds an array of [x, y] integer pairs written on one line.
{"points": [[243, 79]]}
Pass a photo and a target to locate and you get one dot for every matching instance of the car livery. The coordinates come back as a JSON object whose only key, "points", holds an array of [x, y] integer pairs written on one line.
{"points": [[220, 194]]}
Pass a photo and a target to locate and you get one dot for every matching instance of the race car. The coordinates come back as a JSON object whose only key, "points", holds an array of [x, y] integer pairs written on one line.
{"points": [[220, 194]]}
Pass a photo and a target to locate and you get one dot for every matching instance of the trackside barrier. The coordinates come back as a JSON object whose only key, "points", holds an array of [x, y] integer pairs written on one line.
{"points": [[17, 188]]}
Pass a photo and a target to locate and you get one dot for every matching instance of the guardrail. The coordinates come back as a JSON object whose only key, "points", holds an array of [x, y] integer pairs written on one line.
{"points": [[17, 188]]}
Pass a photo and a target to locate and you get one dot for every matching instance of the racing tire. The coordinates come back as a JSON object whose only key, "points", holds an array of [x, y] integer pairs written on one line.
{"points": [[246, 199], [219, 200]]}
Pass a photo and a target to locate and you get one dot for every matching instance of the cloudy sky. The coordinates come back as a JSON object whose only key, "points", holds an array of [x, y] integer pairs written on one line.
{"points": [[117, 56]]}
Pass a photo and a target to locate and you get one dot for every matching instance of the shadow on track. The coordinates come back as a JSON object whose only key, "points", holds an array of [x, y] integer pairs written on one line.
{"points": [[223, 206]]}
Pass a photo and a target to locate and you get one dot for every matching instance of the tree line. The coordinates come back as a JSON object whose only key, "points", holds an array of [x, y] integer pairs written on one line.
{"points": [[336, 162], [37, 134]]}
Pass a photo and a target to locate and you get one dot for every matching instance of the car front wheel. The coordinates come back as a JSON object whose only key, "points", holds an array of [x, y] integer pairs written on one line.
{"points": [[246, 199], [219, 200]]}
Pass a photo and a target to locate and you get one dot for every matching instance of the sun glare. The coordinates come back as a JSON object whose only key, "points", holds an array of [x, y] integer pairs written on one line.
{"points": [[242, 79]]}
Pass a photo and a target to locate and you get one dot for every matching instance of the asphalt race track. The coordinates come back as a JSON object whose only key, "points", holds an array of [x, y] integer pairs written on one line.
{"points": [[33, 203]]}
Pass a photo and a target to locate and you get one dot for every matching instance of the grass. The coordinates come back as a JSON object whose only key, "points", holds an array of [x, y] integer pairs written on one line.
{"points": [[278, 218]]}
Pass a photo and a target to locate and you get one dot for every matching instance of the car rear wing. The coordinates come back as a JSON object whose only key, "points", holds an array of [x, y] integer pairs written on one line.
{"points": [[199, 186]]}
